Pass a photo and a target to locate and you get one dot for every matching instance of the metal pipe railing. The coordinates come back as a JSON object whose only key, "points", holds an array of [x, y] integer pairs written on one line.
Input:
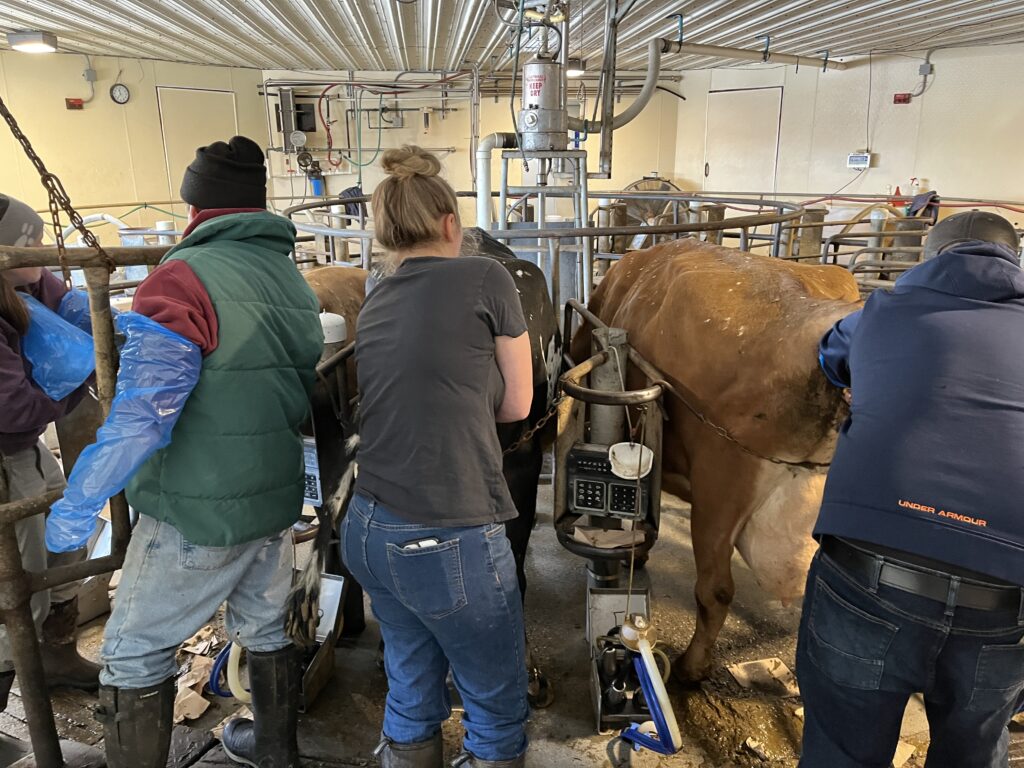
{"points": [[17, 585]]}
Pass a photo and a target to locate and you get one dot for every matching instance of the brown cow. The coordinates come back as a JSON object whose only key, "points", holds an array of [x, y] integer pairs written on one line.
{"points": [[739, 331]]}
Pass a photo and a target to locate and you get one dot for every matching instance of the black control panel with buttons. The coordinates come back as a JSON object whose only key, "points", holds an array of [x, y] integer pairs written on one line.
{"points": [[595, 490]]}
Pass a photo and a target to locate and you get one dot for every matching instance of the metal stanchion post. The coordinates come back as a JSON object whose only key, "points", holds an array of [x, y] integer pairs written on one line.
{"points": [[21, 634]]}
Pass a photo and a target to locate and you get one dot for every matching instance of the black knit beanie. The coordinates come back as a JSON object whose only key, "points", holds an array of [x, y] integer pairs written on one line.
{"points": [[231, 175]]}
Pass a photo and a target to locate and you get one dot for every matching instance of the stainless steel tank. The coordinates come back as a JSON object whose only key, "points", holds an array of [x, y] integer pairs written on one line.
{"points": [[543, 123]]}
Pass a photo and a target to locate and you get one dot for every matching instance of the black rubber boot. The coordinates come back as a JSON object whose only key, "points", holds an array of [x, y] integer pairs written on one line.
{"points": [[422, 754], [137, 725], [468, 761], [6, 681], [271, 741], [61, 661]]}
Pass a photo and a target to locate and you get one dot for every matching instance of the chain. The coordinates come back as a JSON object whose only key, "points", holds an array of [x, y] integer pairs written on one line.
{"points": [[529, 434], [727, 435], [58, 200]]}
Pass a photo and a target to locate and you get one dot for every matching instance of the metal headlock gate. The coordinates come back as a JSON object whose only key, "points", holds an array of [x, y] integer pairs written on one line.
{"points": [[16, 585]]}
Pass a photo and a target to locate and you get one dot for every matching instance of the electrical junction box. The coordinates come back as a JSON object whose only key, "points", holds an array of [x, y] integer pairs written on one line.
{"points": [[859, 161]]}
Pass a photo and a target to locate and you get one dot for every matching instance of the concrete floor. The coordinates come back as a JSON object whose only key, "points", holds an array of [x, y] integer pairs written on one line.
{"points": [[724, 726]]}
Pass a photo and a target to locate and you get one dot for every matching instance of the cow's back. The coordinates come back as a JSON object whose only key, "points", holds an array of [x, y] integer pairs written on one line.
{"points": [[741, 332]]}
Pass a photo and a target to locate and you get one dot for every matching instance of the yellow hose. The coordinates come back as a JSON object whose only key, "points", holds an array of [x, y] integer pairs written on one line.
{"points": [[238, 690]]}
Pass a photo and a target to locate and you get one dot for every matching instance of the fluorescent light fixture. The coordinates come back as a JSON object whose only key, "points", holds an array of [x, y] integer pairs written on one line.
{"points": [[28, 41], [576, 68]]}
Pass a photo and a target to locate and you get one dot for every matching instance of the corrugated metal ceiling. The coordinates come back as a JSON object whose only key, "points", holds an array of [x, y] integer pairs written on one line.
{"points": [[389, 35]]}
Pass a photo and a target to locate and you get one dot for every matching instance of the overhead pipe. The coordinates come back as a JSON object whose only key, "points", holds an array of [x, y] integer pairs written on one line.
{"points": [[743, 54], [654, 50], [657, 47], [483, 173]]}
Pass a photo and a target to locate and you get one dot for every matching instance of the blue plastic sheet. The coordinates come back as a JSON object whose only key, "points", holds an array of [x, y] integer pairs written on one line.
{"points": [[159, 370], [61, 354]]}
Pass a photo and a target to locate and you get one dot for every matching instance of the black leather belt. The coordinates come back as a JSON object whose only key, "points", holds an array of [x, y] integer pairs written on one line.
{"points": [[919, 581]]}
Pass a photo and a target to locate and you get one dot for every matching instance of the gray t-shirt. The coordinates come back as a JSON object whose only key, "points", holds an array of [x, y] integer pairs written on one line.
{"points": [[429, 387]]}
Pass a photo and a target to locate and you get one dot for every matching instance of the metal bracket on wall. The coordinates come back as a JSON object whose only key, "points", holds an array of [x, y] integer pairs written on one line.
{"points": [[767, 46]]}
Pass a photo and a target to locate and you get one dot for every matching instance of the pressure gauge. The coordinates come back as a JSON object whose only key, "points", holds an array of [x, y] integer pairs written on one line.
{"points": [[119, 93], [298, 139]]}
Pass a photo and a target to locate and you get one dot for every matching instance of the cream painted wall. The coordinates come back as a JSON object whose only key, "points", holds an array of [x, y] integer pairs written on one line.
{"points": [[648, 143], [105, 153], [962, 135]]}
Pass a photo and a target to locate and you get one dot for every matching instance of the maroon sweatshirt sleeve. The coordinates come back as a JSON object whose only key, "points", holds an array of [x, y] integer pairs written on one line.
{"points": [[177, 299], [49, 290]]}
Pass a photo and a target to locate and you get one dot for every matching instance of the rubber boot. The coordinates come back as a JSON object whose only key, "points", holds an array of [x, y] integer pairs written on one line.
{"points": [[271, 741], [137, 724], [422, 754], [6, 681], [63, 665], [468, 761]]}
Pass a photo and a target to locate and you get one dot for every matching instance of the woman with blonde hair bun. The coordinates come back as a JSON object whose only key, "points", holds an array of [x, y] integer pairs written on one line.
{"points": [[442, 353]]}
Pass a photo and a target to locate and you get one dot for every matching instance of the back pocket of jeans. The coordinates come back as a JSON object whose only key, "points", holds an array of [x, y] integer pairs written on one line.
{"points": [[428, 580], [196, 558], [846, 643], [998, 678]]}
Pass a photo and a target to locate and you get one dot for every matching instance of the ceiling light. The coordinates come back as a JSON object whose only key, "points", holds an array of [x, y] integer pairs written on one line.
{"points": [[576, 68], [32, 41]]}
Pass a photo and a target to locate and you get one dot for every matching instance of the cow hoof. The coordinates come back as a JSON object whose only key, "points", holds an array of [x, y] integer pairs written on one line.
{"points": [[687, 673], [539, 692]]}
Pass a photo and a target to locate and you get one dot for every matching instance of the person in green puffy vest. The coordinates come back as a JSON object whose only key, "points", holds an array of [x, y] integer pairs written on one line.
{"points": [[216, 370]]}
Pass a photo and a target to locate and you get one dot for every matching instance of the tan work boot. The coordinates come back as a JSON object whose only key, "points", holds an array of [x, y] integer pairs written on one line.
{"points": [[63, 665]]}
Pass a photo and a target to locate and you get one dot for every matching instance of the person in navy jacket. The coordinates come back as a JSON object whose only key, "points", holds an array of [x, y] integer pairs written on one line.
{"points": [[917, 587]]}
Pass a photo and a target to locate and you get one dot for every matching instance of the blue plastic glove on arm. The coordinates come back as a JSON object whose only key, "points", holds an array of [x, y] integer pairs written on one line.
{"points": [[74, 308], [61, 354], [834, 350], [159, 370]]}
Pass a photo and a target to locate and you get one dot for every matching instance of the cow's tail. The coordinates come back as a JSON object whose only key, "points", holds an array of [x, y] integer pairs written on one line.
{"points": [[303, 614]]}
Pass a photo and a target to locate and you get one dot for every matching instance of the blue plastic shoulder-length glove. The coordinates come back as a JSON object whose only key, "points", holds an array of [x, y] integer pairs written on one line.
{"points": [[159, 370], [74, 308], [61, 355]]}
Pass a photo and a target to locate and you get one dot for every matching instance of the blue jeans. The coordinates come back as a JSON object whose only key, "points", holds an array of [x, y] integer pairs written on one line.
{"points": [[456, 603], [170, 588], [864, 648]]}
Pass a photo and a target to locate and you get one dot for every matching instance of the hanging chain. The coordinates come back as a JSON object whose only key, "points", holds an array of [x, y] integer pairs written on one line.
{"points": [[58, 201]]}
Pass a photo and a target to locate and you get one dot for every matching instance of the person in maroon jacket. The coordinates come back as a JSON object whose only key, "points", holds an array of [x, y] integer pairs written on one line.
{"points": [[28, 467]]}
